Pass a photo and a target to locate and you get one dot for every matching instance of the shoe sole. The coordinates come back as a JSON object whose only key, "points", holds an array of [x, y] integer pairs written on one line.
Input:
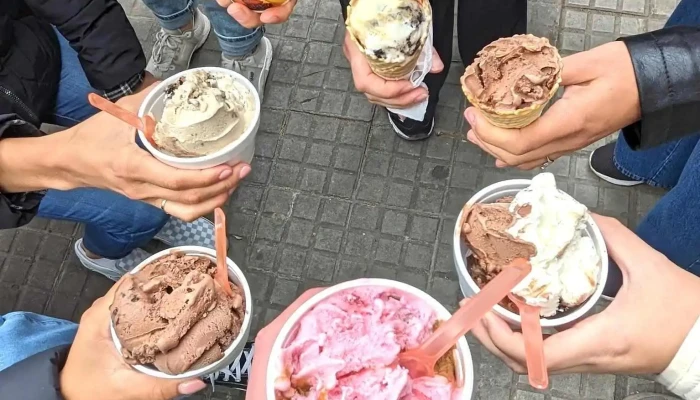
{"points": [[91, 265], [409, 138], [618, 182]]}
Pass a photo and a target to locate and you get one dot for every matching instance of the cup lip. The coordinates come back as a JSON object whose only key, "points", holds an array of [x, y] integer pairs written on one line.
{"points": [[545, 322], [245, 327], [463, 348], [209, 157]]}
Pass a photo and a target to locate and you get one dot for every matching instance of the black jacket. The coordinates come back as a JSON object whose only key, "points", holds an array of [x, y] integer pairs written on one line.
{"points": [[30, 67], [667, 67]]}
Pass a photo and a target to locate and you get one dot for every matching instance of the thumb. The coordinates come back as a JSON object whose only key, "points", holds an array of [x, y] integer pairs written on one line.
{"points": [[438, 65], [573, 350], [246, 17], [166, 389]]}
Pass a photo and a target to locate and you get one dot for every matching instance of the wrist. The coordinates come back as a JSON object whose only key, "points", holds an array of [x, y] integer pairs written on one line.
{"points": [[32, 164]]}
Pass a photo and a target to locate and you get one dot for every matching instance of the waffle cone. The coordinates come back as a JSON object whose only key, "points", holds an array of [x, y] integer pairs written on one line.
{"points": [[512, 119], [394, 71]]}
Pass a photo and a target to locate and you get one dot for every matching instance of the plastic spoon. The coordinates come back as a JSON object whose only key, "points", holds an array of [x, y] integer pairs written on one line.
{"points": [[147, 124], [421, 361], [534, 343], [221, 243]]}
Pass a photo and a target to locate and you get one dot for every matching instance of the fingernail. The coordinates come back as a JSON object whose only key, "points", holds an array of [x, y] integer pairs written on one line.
{"points": [[470, 136], [423, 97], [190, 387], [225, 173], [230, 192], [244, 171], [470, 116]]}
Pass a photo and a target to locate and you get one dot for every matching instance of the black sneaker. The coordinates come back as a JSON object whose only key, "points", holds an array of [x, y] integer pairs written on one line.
{"points": [[602, 164], [412, 130]]}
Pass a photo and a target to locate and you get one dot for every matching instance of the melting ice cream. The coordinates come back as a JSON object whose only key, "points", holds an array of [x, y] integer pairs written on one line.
{"points": [[547, 227], [203, 113]]}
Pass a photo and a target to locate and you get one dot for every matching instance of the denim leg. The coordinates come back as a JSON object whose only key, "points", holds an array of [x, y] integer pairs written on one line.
{"points": [[114, 224], [171, 14], [23, 334], [235, 40], [671, 227], [71, 101], [662, 165]]}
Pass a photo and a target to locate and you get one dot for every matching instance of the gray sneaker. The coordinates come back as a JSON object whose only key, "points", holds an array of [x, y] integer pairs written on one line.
{"points": [[255, 67], [650, 396], [173, 50]]}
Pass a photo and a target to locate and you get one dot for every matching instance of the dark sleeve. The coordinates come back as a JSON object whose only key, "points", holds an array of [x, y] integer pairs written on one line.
{"points": [[344, 7], [98, 30], [667, 68], [17, 209], [35, 378]]}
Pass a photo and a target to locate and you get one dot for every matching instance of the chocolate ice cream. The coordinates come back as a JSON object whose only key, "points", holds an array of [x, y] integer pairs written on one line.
{"points": [[174, 315], [513, 73]]}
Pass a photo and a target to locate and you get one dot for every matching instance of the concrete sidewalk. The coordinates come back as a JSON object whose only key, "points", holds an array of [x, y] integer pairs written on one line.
{"points": [[335, 195]]}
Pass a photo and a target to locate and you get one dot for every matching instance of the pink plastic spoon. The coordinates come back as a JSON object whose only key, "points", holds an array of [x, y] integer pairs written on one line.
{"points": [[534, 343], [421, 361]]}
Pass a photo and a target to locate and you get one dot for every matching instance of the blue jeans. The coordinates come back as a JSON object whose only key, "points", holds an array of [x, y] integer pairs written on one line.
{"points": [[234, 39], [23, 334], [114, 224], [673, 225]]}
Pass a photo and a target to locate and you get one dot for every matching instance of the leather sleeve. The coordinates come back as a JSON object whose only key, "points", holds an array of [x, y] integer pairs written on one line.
{"points": [[98, 30], [17, 209], [667, 68], [35, 378]]}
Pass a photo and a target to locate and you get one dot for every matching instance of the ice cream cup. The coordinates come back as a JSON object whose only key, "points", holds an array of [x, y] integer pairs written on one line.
{"points": [[261, 5], [464, 367], [469, 287], [234, 350], [240, 150], [393, 71]]}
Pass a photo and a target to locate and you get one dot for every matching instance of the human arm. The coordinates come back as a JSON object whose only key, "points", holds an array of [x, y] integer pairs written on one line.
{"points": [[101, 153], [647, 84], [101, 34], [651, 327]]}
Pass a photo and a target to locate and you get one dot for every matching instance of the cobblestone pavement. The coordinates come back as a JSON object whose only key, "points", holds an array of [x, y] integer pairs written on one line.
{"points": [[335, 195]]}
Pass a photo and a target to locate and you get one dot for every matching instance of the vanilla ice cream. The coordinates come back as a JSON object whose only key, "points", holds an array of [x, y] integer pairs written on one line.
{"points": [[203, 113], [565, 262]]}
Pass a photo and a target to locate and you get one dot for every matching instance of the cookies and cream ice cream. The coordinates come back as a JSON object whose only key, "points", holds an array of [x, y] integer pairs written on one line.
{"points": [[547, 227], [203, 112], [347, 345], [390, 33], [513, 73], [174, 315]]}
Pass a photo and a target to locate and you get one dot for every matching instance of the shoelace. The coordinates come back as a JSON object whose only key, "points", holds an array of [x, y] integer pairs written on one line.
{"points": [[164, 50], [237, 65]]}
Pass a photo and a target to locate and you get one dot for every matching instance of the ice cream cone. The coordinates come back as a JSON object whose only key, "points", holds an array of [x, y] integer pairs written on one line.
{"points": [[518, 117], [391, 70]]}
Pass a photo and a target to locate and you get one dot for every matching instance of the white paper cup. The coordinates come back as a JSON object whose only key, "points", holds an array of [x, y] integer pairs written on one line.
{"points": [[240, 150], [464, 367], [469, 287], [236, 276]]}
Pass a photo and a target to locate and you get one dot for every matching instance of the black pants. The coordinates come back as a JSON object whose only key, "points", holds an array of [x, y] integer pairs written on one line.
{"points": [[479, 22]]}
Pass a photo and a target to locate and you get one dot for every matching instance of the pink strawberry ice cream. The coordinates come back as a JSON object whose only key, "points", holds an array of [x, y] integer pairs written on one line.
{"points": [[345, 348]]}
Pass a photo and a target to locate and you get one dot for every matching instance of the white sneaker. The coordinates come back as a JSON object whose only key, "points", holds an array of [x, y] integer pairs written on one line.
{"points": [[255, 67], [112, 269], [173, 50]]}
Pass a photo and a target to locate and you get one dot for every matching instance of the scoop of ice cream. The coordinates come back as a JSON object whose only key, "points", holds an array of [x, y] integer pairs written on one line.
{"points": [[389, 30], [203, 112], [173, 314], [347, 345], [485, 230], [513, 73], [542, 224]]}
